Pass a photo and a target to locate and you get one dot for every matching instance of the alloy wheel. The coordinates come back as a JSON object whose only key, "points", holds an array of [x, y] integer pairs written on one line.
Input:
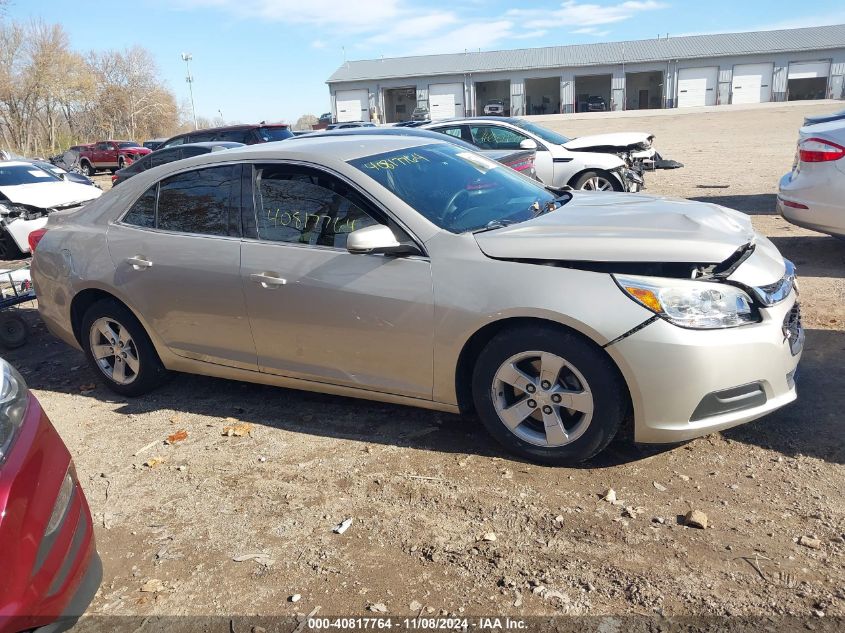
{"points": [[542, 399], [597, 183], [114, 351]]}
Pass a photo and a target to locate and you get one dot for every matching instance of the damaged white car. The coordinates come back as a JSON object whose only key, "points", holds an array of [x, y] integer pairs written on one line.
{"points": [[603, 162], [28, 194]]}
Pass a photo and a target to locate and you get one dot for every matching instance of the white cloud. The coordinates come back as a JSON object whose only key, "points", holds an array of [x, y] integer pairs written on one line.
{"points": [[580, 14], [409, 27], [591, 30]]}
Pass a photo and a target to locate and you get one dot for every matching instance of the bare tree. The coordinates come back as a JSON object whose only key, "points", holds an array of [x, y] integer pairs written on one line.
{"points": [[305, 122], [51, 95]]}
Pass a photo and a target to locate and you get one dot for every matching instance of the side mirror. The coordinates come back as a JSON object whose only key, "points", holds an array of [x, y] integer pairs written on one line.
{"points": [[528, 144], [376, 240]]}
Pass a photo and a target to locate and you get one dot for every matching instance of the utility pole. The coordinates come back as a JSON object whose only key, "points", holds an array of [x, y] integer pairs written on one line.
{"points": [[187, 57]]}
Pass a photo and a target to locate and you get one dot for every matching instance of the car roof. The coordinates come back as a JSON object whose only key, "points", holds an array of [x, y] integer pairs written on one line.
{"points": [[320, 150], [385, 131], [230, 144], [227, 128], [491, 119]]}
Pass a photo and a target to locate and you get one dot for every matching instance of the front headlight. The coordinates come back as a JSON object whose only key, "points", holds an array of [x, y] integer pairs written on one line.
{"points": [[691, 304], [13, 399]]}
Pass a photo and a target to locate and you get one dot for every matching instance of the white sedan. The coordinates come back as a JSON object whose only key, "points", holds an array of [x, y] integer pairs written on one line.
{"points": [[600, 163], [812, 195], [28, 194]]}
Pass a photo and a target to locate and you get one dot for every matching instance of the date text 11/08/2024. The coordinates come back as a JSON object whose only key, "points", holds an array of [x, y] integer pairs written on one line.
{"points": [[417, 624]]}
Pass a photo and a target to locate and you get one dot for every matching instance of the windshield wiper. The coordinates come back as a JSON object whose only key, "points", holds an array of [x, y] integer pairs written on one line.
{"points": [[492, 225]]}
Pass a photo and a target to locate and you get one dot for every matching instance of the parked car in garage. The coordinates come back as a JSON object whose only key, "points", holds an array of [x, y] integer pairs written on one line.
{"points": [[246, 134], [812, 195], [28, 194], [420, 113], [51, 569], [557, 163], [521, 160], [596, 104], [169, 155], [494, 107], [410, 270]]}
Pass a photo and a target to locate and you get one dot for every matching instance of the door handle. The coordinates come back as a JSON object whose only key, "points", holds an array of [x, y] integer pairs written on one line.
{"points": [[268, 280], [138, 262]]}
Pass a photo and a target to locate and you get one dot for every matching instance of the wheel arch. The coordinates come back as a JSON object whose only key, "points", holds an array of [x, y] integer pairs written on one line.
{"points": [[84, 299], [597, 170], [479, 339]]}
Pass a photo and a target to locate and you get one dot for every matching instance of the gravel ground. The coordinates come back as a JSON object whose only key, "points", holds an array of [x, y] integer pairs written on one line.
{"points": [[442, 520]]}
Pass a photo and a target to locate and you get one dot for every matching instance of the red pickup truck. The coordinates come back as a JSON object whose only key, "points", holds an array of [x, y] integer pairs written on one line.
{"points": [[111, 155]]}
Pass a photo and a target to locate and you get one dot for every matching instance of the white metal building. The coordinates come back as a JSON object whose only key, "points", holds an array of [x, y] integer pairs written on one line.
{"points": [[673, 72]]}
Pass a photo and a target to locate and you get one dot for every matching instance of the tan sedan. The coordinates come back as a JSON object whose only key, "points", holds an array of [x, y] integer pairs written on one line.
{"points": [[414, 271]]}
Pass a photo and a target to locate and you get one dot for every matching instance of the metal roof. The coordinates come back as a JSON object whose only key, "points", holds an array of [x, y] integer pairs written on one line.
{"points": [[664, 49]]}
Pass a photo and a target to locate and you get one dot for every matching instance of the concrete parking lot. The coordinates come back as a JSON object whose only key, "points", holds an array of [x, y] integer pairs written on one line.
{"points": [[442, 519]]}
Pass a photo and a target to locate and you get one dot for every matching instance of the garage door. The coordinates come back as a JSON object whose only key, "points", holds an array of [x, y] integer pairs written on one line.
{"points": [[352, 105], [809, 70], [697, 86], [445, 101], [752, 83]]}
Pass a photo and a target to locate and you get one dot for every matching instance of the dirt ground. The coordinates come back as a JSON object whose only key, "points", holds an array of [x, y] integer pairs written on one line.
{"points": [[425, 491]]}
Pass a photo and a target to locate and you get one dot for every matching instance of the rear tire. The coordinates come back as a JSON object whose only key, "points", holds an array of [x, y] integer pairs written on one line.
{"points": [[597, 181], [568, 370], [14, 331], [119, 350], [86, 168]]}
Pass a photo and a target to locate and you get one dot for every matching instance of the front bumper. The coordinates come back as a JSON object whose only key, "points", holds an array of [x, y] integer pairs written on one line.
{"points": [[820, 189], [675, 374]]}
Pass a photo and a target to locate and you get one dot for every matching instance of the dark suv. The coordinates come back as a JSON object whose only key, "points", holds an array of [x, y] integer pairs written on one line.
{"points": [[246, 134]]}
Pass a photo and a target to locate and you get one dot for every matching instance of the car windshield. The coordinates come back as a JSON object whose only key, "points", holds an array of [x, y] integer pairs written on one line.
{"points": [[544, 133], [456, 189], [11, 175], [278, 133], [125, 144]]}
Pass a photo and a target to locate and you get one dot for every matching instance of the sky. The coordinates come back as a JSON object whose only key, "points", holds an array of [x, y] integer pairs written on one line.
{"points": [[268, 60]]}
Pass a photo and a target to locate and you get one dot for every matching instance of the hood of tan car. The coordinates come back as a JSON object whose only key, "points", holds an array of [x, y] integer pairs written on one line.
{"points": [[619, 140], [620, 227]]}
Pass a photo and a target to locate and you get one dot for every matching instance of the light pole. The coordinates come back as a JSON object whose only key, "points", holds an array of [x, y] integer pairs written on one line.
{"points": [[187, 57]]}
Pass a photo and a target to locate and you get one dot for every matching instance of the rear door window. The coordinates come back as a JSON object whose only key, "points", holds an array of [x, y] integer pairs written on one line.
{"points": [[237, 136], [143, 212], [199, 201], [179, 140], [201, 137], [189, 151], [164, 156]]}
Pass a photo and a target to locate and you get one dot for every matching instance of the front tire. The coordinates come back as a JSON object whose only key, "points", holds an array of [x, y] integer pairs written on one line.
{"points": [[596, 181], [119, 350], [548, 395]]}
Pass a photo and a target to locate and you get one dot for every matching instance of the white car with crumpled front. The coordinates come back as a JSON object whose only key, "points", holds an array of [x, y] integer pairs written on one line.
{"points": [[28, 194]]}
